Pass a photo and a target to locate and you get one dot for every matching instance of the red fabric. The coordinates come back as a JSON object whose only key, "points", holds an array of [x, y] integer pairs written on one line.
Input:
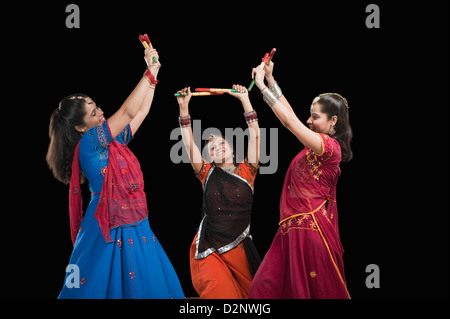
{"points": [[305, 258], [122, 200], [311, 179], [298, 265]]}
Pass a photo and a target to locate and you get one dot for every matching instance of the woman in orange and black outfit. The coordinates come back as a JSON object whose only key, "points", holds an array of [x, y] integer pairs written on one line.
{"points": [[223, 257]]}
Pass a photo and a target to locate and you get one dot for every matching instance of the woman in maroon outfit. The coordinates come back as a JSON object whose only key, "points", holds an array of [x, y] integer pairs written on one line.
{"points": [[305, 258]]}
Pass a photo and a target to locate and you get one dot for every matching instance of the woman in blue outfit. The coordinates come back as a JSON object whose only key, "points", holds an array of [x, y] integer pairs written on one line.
{"points": [[115, 253]]}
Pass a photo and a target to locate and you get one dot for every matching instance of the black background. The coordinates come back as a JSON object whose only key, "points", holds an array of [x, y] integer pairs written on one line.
{"points": [[392, 198]]}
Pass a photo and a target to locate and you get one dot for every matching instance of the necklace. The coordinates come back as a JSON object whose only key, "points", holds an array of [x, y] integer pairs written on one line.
{"points": [[229, 169]]}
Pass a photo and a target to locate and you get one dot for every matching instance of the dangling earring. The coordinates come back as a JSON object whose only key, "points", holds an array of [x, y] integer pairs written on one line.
{"points": [[332, 131]]}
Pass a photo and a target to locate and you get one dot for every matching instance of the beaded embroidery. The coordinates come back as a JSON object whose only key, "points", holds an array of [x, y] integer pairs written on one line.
{"points": [[305, 221], [102, 136], [315, 161], [314, 164]]}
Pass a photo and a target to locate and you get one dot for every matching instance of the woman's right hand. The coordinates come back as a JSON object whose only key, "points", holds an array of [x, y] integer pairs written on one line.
{"points": [[152, 59], [183, 101]]}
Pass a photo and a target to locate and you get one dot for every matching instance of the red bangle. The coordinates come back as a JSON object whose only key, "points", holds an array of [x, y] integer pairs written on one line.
{"points": [[184, 121], [251, 116], [151, 77]]}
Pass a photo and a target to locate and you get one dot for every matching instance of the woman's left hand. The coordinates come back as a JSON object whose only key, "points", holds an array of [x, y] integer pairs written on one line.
{"points": [[258, 74], [242, 92], [152, 60]]}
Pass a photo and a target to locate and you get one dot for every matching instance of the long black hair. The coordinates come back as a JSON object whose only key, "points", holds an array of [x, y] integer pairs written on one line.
{"points": [[334, 104], [64, 137]]}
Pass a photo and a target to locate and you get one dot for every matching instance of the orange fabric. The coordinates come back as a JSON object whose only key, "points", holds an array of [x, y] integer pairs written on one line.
{"points": [[225, 276]]}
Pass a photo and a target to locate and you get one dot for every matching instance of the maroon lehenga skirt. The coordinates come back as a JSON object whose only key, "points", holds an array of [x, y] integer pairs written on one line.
{"points": [[301, 262]]}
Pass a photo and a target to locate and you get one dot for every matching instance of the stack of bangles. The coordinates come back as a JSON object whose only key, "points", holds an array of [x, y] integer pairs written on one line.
{"points": [[251, 116], [185, 121], [271, 95], [151, 79]]}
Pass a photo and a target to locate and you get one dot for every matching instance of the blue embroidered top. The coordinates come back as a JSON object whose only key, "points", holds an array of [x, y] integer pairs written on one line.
{"points": [[94, 153]]}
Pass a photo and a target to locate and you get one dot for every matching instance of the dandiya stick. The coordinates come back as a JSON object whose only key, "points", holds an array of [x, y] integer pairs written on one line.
{"points": [[272, 53], [215, 90], [146, 43], [264, 60], [200, 94]]}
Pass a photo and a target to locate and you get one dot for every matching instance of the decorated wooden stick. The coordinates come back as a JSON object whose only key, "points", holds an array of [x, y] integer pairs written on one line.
{"points": [[200, 94], [272, 53], [146, 43], [264, 60], [215, 90]]}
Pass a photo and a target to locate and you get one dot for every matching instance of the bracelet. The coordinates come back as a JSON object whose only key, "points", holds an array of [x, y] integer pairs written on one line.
{"points": [[150, 77], [184, 121], [251, 116], [276, 90], [270, 98], [152, 86]]}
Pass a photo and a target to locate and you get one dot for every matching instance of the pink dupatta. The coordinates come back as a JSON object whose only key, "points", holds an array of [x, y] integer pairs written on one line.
{"points": [[122, 200]]}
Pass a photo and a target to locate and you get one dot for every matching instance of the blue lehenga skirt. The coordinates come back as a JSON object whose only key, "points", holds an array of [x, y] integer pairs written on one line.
{"points": [[134, 265]]}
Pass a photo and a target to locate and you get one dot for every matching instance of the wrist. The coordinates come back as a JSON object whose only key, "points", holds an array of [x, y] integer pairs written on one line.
{"points": [[151, 78], [154, 70], [250, 116], [272, 95], [276, 90], [244, 99], [263, 88], [184, 112], [271, 81], [184, 121], [260, 85]]}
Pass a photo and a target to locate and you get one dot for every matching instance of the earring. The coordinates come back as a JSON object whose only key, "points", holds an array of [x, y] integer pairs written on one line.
{"points": [[332, 131]]}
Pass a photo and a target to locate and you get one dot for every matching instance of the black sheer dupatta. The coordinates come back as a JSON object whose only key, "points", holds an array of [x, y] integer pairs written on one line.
{"points": [[227, 208]]}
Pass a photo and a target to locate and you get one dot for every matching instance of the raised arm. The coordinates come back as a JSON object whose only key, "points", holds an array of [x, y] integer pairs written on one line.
{"points": [[136, 107], [286, 114], [194, 153], [253, 148], [271, 83], [153, 67]]}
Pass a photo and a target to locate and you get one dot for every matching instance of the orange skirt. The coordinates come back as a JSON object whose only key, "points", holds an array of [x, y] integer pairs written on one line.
{"points": [[221, 276]]}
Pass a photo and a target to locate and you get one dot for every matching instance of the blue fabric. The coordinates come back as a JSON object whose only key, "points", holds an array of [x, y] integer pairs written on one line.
{"points": [[134, 265]]}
